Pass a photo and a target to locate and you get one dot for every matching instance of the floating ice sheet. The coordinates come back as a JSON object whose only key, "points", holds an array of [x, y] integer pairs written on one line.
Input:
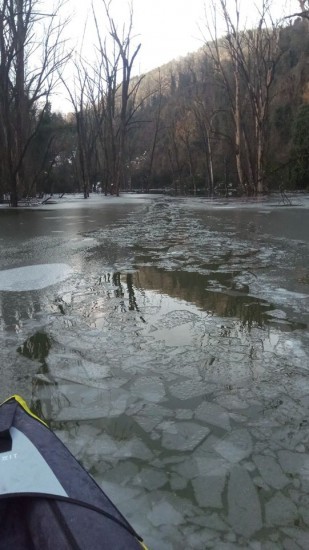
{"points": [[33, 277]]}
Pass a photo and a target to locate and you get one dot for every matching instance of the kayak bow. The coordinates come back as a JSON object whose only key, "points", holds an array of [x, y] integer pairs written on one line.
{"points": [[47, 499]]}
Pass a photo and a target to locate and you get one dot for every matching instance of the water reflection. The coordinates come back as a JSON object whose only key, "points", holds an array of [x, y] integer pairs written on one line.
{"points": [[151, 292], [195, 288], [15, 307], [36, 347], [119, 287]]}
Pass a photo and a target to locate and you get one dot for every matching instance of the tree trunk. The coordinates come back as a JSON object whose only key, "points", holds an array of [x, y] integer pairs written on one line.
{"points": [[210, 163], [20, 100], [237, 118]]}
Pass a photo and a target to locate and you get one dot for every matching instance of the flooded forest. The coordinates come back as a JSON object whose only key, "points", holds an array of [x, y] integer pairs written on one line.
{"points": [[154, 273], [230, 119]]}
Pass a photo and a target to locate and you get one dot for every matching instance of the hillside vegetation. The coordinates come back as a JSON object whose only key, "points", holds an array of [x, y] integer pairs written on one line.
{"points": [[184, 134]]}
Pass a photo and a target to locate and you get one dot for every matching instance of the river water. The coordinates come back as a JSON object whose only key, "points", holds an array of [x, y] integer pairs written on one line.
{"points": [[166, 342]]}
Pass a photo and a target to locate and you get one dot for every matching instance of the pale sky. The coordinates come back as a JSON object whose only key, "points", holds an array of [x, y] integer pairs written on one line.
{"points": [[167, 29]]}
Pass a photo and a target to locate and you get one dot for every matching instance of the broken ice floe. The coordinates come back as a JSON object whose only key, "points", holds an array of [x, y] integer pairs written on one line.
{"points": [[235, 446], [214, 414], [208, 490], [149, 389], [245, 514], [184, 436], [280, 510], [271, 471]]}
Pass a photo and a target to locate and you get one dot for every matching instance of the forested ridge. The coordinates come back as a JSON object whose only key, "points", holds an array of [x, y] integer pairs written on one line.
{"points": [[230, 118], [186, 136]]}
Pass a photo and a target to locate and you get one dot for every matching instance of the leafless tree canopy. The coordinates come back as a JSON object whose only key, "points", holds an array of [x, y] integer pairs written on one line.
{"points": [[208, 120], [31, 55]]}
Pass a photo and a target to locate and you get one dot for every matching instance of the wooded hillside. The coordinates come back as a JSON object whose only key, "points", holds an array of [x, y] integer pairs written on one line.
{"points": [[184, 135]]}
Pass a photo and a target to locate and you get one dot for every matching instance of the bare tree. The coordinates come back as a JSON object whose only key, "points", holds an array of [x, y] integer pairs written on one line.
{"points": [[257, 53], [157, 124], [31, 54], [174, 151], [204, 119], [253, 55], [82, 98], [304, 13], [222, 55], [120, 93], [204, 108]]}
